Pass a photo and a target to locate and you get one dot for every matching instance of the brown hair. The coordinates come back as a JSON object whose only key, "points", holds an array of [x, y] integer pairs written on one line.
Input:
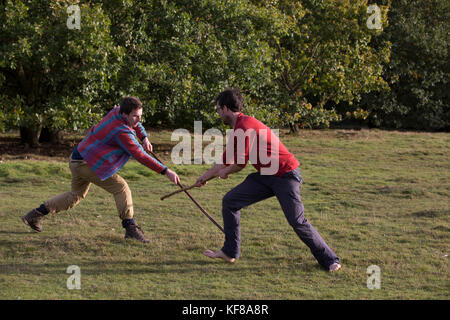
{"points": [[129, 104], [231, 98]]}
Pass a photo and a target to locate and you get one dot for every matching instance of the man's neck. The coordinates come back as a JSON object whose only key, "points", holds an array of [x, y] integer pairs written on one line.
{"points": [[234, 118]]}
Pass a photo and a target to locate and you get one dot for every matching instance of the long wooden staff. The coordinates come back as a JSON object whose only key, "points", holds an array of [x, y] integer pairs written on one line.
{"points": [[193, 200], [181, 190]]}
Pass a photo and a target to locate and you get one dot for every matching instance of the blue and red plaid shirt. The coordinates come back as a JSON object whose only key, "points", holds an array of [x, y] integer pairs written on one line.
{"points": [[109, 145]]}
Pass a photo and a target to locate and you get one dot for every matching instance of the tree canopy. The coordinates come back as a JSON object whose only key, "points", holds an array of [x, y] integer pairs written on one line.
{"points": [[52, 75], [307, 63], [418, 71]]}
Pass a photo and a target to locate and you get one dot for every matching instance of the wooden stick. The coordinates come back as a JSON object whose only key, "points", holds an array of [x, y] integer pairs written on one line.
{"points": [[203, 210], [154, 156], [178, 191], [182, 189], [195, 201]]}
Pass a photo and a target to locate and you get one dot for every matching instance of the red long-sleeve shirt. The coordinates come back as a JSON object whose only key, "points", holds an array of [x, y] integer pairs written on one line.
{"points": [[253, 141]]}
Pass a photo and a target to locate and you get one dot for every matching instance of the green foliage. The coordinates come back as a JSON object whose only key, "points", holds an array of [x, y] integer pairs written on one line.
{"points": [[52, 75], [418, 70], [177, 55], [180, 54], [326, 58], [297, 62]]}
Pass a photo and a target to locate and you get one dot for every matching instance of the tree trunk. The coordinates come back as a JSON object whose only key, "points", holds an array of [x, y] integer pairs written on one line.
{"points": [[52, 136], [30, 136], [293, 127]]}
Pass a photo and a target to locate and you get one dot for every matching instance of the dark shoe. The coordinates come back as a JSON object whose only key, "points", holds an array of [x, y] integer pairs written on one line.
{"points": [[135, 232], [33, 219]]}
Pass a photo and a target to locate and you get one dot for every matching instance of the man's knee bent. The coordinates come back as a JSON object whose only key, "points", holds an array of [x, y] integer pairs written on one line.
{"points": [[76, 198], [119, 187], [229, 202]]}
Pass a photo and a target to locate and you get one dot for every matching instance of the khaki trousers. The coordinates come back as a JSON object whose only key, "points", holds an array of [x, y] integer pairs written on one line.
{"points": [[82, 177]]}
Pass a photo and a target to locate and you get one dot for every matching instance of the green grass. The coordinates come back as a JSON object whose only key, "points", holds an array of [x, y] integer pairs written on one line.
{"points": [[378, 198]]}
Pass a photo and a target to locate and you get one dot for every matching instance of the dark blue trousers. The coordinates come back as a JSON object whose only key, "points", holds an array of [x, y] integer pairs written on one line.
{"points": [[257, 187]]}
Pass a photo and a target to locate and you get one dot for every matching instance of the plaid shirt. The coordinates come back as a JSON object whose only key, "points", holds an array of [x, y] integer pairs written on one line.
{"points": [[109, 145]]}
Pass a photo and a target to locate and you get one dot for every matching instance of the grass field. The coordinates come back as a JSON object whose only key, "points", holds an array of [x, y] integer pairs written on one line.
{"points": [[378, 198]]}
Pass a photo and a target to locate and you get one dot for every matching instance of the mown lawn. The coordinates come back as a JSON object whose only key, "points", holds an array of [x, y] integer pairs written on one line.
{"points": [[377, 197]]}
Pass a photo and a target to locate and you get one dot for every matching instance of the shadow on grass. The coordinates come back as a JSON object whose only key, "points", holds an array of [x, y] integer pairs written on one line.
{"points": [[128, 267], [15, 232], [31, 246], [431, 213]]}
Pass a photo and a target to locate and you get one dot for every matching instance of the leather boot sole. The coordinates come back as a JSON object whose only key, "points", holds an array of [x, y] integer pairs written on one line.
{"points": [[31, 226]]}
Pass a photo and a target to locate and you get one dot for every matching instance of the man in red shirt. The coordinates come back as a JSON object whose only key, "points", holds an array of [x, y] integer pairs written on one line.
{"points": [[278, 175]]}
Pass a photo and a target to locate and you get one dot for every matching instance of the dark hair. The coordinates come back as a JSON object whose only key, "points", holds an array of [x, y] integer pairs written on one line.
{"points": [[129, 104], [231, 98]]}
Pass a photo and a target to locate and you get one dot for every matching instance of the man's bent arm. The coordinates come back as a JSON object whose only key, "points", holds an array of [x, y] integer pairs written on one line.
{"points": [[132, 146], [223, 173], [211, 173], [141, 133]]}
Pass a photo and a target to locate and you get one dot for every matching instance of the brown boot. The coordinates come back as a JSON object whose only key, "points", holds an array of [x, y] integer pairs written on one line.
{"points": [[135, 232], [33, 219]]}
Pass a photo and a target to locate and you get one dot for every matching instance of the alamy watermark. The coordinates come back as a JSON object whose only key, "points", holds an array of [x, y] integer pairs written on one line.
{"points": [[257, 146], [74, 281], [374, 21], [74, 19], [374, 279]]}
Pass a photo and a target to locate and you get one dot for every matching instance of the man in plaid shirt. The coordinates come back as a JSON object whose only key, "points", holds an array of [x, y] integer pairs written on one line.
{"points": [[97, 158]]}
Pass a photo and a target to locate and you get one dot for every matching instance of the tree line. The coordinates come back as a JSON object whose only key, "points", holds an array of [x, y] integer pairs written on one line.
{"points": [[300, 64]]}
